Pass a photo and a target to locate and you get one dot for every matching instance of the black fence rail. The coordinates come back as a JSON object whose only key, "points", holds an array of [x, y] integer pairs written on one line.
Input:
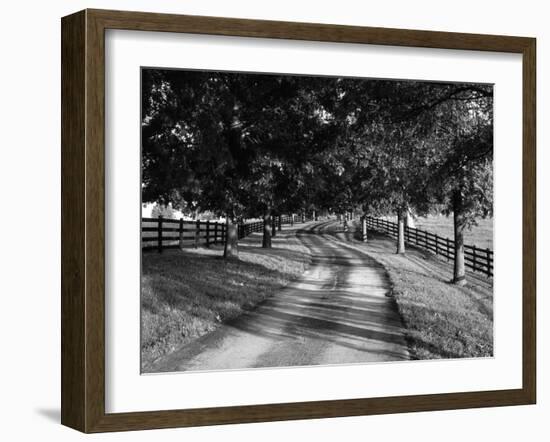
{"points": [[163, 233], [246, 229], [475, 258]]}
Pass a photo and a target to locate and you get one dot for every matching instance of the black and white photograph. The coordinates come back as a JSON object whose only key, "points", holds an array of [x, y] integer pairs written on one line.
{"points": [[257, 222], [296, 220]]}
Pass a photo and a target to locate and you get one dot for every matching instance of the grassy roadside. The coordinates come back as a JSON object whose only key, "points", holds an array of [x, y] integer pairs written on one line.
{"points": [[442, 320], [188, 293]]}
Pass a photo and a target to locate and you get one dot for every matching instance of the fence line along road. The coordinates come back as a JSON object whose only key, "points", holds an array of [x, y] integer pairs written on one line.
{"points": [[165, 233], [475, 258]]}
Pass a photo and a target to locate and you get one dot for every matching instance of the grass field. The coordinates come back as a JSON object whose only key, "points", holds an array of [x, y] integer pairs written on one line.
{"points": [[188, 293], [479, 236], [442, 319]]}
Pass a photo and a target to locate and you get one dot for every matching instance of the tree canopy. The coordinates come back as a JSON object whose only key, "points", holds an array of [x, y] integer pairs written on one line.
{"points": [[249, 145]]}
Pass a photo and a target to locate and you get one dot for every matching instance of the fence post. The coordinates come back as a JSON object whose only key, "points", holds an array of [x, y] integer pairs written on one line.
{"points": [[436, 244], [159, 231], [181, 233], [474, 258], [280, 226], [215, 232], [488, 251], [207, 233], [197, 233], [364, 228]]}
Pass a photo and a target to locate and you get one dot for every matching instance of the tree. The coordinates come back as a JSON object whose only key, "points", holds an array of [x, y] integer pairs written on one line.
{"points": [[462, 177], [442, 132], [248, 145], [162, 211], [226, 142], [292, 130], [193, 153], [384, 149], [467, 188]]}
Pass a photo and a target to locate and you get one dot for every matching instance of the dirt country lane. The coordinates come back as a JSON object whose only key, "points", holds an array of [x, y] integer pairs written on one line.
{"points": [[338, 312]]}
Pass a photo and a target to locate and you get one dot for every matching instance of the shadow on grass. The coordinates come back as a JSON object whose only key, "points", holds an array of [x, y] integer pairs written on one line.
{"points": [[178, 279], [431, 268], [443, 320], [335, 309], [188, 293]]}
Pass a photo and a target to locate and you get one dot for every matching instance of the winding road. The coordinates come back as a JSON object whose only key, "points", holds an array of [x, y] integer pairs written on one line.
{"points": [[338, 312]]}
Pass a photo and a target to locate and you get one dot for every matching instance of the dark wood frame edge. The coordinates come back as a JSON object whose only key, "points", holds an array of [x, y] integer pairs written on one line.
{"points": [[83, 215]]}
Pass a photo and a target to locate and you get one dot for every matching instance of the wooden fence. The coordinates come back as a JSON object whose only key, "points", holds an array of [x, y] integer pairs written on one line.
{"points": [[163, 233], [475, 258]]}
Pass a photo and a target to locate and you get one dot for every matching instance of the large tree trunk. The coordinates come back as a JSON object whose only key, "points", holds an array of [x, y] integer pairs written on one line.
{"points": [[231, 249], [273, 225], [346, 228], [266, 240], [401, 231], [459, 274]]}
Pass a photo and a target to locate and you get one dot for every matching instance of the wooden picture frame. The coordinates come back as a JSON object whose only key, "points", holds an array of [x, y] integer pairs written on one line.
{"points": [[83, 220]]}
